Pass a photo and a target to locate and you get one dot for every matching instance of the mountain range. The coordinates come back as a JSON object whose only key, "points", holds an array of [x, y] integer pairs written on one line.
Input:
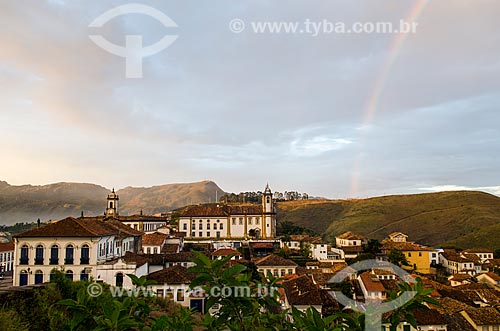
{"points": [[460, 218], [27, 203]]}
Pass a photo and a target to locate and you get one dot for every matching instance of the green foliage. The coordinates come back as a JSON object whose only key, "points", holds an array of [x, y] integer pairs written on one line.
{"points": [[372, 247], [11, 321], [287, 229], [398, 258], [405, 312]]}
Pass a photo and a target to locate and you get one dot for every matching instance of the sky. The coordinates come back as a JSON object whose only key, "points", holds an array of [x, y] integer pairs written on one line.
{"points": [[338, 115]]}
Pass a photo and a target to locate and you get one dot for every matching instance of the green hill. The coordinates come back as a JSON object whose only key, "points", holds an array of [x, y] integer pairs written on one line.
{"points": [[462, 218]]}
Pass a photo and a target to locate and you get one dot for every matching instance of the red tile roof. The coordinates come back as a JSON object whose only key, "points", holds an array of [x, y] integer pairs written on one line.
{"points": [[225, 252], [80, 227], [351, 236], [6, 247], [371, 282], [221, 210], [172, 275], [275, 260], [153, 239]]}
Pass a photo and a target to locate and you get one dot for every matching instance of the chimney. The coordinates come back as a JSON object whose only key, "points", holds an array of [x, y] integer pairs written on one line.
{"points": [[38, 223], [81, 215]]}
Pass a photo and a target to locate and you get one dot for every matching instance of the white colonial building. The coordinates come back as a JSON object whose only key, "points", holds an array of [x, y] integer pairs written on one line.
{"points": [[6, 257], [230, 220], [73, 246]]}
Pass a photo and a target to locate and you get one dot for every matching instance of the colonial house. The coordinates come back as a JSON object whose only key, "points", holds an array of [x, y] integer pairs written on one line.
{"points": [[483, 254], [152, 243], [173, 283], [6, 257], [74, 246], [349, 239], [115, 271], [372, 287], [456, 263], [398, 237], [276, 265], [460, 279], [223, 252], [301, 293], [350, 243], [426, 319], [420, 258], [482, 319], [490, 278], [220, 220]]}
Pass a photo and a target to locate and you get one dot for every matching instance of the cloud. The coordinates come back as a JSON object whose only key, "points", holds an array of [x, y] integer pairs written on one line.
{"points": [[439, 188]]}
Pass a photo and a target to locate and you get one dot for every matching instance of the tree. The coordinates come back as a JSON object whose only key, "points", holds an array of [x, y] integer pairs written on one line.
{"points": [[496, 253], [398, 258], [305, 250], [372, 247]]}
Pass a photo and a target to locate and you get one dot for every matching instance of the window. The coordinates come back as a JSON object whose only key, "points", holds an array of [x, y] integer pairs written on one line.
{"points": [[208, 234], [257, 220], [241, 221], [419, 253], [184, 226], [290, 271], [485, 328], [84, 275], [221, 226], [85, 256], [148, 250], [406, 327], [38, 277], [409, 254], [217, 234], [215, 226], [201, 234], [208, 226], [69, 256], [283, 271], [180, 295], [155, 251], [24, 254], [69, 274], [495, 327], [119, 279], [250, 221], [159, 293], [234, 221], [193, 234], [201, 226], [170, 294], [39, 254]]}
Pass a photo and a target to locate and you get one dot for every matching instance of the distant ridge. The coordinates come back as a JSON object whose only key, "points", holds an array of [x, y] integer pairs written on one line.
{"points": [[456, 218], [27, 203]]}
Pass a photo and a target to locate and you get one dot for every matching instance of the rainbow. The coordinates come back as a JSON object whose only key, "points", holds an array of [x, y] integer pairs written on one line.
{"points": [[379, 85]]}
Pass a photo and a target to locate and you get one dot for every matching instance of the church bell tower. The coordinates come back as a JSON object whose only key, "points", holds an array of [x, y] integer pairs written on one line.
{"points": [[112, 204]]}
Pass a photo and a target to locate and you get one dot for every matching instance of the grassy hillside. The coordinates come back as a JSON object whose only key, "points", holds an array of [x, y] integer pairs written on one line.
{"points": [[27, 203], [462, 218]]}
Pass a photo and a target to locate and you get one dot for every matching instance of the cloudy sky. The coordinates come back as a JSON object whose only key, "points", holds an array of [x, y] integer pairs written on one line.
{"points": [[337, 115]]}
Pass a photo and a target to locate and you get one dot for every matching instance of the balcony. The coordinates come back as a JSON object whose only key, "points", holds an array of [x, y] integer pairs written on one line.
{"points": [[23, 260], [54, 261], [84, 260], [39, 260], [68, 261]]}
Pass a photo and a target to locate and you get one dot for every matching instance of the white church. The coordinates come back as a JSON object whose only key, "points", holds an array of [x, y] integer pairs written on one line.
{"points": [[219, 220]]}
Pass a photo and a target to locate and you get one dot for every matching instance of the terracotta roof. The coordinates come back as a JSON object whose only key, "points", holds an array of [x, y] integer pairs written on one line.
{"points": [[490, 274], [457, 322], [450, 306], [275, 260], [371, 282], [403, 246], [154, 239], [172, 275], [178, 257], [225, 252], [394, 234], [169, 248], [483, 316], [350, 236], [261, 245], [470, 295], [429, 317], [451, 255], [72, 227], [130, 257], [460, 277], [303, 291], [221, 210], [478, 250], [6, 247], [352, 249]]}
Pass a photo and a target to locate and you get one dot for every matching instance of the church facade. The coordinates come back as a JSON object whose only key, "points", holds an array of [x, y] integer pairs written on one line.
{"points": [[215, 221]]}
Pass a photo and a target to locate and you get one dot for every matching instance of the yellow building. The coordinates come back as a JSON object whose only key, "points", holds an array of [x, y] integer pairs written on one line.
{"points": [[421, 259]]}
